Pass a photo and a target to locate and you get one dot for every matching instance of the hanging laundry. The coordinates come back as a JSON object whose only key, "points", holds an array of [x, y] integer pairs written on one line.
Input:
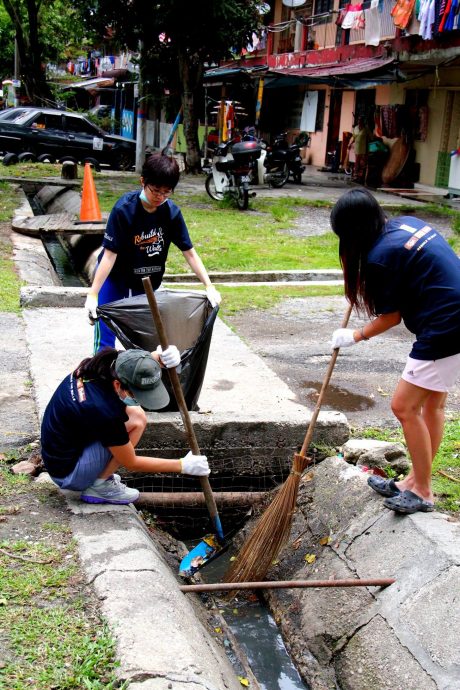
{"points": [[378, 122], [402, 12], [389, 121], [372, 28], [351, 15], [423, 122], [359, 21], [450, 19], [341, 15], [426, 17]]}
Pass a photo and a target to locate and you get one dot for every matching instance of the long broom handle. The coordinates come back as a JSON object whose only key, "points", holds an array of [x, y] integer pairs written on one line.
{"points": [[179, 395], [327, 378]]}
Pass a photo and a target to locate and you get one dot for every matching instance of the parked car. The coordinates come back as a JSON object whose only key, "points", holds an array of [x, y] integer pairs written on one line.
{"points": [[57, 135], [12, 113]]}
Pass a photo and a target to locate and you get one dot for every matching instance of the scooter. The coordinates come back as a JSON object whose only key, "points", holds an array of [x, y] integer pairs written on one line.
{"points": [[282, 160], [231, 171]]}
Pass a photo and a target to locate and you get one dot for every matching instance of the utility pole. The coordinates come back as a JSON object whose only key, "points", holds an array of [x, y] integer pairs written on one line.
{"points": [[141, 115]]}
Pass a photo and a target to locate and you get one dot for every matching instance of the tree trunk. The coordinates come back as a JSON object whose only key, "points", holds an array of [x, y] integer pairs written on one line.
{"points": [[30, 53], [190, 75]]}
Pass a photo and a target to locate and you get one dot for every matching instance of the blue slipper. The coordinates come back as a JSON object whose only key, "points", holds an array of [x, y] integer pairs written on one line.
{"points": [[384, 487], [407, 502]]}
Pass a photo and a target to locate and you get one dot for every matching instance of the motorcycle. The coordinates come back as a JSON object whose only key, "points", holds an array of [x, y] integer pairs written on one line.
{"points": [[231, 171], [282, 160]]}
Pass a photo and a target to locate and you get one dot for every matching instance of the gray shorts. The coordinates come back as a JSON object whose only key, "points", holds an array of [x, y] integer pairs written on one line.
{"points": [[91, 463]]}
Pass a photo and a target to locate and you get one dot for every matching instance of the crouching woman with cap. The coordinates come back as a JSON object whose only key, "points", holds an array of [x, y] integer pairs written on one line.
{"points": [[96, 417]]}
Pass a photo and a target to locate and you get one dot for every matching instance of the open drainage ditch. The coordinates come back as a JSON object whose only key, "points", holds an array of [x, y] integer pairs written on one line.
{"points": [[246, 615]]}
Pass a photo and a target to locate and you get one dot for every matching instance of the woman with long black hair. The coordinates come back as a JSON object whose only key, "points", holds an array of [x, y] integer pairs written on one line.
{"points": [[96, 418], [402, 269]]}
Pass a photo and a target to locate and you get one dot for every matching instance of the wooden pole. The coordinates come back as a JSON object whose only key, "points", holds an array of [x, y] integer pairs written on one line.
{"points": [[287, 584], [224, 499], [182, 405]]}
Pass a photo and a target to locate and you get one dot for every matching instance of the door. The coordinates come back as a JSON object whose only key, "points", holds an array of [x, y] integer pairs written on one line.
{"points": [[333, 128], [83, 138]]}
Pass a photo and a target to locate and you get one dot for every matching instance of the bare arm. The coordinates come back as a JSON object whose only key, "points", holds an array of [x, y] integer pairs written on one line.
{"points": [[379, 325], [197, 266], [126, 456], [103, 270]]}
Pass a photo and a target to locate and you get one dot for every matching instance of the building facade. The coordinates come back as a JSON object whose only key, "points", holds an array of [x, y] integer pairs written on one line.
{"points": [[397, 64]]}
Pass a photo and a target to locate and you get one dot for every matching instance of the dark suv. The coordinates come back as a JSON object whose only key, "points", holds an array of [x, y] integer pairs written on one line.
{"points": [[47, 134]]}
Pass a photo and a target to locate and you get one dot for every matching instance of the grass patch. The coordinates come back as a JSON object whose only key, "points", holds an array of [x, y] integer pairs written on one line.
{"points": [[34, 171], [8, 201], [228, 240], [9, 281], [51, 633], [237, 299], [447, 491]]}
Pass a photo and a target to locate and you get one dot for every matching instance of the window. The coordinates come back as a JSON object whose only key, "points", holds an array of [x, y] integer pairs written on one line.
{"points": [[417, 97], [322, 6], [46, 121], [77, 124]]}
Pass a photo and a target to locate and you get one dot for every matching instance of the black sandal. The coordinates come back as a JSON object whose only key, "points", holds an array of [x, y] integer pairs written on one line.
{"points": [[384, 487], [408, 502]]}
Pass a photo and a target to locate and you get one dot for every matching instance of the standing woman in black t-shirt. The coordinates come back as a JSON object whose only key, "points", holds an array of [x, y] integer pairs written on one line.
{"points": [[140, 229], [402, 269]]}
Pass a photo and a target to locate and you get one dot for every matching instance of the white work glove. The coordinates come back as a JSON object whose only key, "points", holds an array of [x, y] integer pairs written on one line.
{"points": [[343, 337], [213, 296], [196, 465], [90, 308], [170, 357]]}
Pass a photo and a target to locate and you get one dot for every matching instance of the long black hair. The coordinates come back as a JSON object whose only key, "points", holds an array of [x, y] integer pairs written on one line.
{"points": [[358, 220], [100, 367]]}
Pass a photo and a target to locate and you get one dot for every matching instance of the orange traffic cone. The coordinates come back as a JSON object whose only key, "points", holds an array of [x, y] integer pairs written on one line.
{"points": [[90, 211]]}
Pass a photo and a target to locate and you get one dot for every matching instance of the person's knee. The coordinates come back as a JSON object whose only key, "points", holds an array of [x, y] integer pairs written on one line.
{"points": [[401, 409]]}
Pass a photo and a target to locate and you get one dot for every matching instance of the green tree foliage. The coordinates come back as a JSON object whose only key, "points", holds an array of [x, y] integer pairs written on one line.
{"points": [[176, 39], [6, 44], [46, 31]]}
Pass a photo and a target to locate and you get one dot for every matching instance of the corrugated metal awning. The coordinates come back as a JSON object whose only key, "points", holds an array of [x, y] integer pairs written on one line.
{"points": [[357, 73], [337, 69], [228, 70], [88, 84]]}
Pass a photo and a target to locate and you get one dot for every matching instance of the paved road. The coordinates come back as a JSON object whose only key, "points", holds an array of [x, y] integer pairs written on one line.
{"points": [[293, 339]]}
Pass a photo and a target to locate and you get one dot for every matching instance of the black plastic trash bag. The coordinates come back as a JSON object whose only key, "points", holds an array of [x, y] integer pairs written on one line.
{"points": [[188, 319]]}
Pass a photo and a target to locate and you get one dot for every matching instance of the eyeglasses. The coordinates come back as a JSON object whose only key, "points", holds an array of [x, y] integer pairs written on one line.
{"points": [[164, 193]]}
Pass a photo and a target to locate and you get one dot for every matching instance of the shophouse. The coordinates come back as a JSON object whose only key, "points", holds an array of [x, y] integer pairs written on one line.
{"points": [[325, 63]]}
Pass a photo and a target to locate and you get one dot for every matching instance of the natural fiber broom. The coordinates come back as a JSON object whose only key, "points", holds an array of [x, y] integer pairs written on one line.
{"points": [[274, 526]]}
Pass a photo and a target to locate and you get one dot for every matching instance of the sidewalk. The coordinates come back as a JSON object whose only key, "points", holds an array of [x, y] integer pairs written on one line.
{"points": [[329, 186]]}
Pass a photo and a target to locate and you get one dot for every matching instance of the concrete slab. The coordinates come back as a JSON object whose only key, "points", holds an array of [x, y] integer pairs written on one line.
{"points": [[141, 599], [18, 418], [395, 670], [405, 636], [245, 409]]}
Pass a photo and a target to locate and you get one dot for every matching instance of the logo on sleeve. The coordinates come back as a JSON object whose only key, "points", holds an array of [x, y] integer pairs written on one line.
{"points": [[417, 234]]}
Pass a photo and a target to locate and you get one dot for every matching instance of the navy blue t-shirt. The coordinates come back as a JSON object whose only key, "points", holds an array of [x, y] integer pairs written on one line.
{"points": [[141, 240], [79, 413], [413, 270]]}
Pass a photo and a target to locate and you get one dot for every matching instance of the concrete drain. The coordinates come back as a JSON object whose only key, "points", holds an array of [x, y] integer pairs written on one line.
{"points": [[244, 623]]}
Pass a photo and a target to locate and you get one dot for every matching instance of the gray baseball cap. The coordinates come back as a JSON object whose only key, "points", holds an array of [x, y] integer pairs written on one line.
{"points": [[138, 371]]}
